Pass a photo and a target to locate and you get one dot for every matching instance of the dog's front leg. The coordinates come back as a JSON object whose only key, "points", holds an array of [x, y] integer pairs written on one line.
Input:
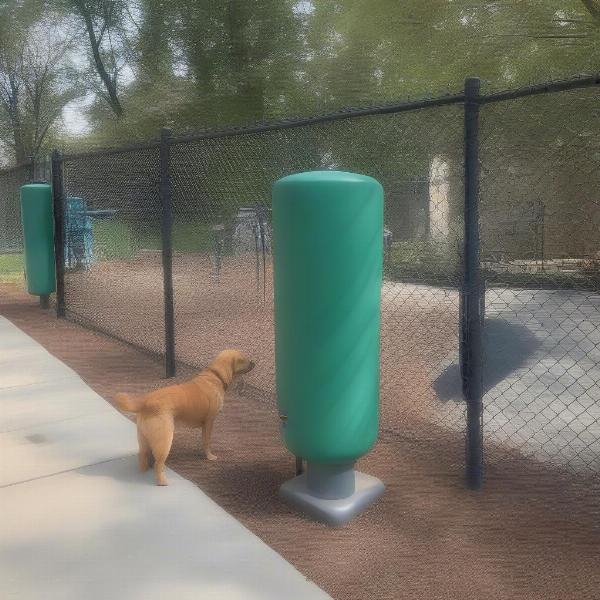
{"points": [[206, 435]]}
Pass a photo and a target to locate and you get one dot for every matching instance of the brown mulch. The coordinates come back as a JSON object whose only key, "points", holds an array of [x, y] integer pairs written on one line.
{"points": [[531, 533], [124, 298]]}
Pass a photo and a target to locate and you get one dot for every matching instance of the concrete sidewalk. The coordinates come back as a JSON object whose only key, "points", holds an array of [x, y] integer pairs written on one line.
{"points": [[77, 519]]}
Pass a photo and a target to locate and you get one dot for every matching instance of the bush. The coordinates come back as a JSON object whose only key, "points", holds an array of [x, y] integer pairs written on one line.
{"points": [[423, 261], [432, 263], [582, 280]]}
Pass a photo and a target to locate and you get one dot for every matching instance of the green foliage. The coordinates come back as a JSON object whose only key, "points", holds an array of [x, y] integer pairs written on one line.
{"points": [[194, 237], [423, 261], [114, 240], [190, 65], [581, 279], [439, 264], [37, 76]]}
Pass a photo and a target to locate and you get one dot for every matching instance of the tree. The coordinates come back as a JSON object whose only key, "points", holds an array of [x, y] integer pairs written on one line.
{"points": [[200, 63], [103, 22], [36, 81], [242, 57], [155, 33]]}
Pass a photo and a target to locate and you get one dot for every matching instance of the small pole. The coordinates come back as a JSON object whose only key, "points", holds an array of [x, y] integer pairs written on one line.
{"points": [[166, 201], [58, 205], [299, 466], [45, 301], [261, 231], [472, 291], [543, 232], [256, 245]]}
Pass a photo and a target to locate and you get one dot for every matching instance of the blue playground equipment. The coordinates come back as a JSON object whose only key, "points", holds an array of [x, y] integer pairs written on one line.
{"points": [[79, 233]]}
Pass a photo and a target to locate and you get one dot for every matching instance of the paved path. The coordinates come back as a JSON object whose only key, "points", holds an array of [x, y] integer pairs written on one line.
{"points": [[542, 369], [77, 520]]}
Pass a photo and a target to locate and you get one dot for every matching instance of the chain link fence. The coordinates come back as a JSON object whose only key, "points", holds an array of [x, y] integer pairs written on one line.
{"points": [[540, 218], [223, 281], [11, 233], [112, 261], [530, 285]]}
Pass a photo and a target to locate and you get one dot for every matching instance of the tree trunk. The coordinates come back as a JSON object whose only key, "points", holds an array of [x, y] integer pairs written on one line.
{"points": [[20, 152], [17, 129], [154, 58], [249, 82], [110, 83]]}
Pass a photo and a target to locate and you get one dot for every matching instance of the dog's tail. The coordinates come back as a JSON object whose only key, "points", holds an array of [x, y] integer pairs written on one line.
{"points": [[129, 403]]}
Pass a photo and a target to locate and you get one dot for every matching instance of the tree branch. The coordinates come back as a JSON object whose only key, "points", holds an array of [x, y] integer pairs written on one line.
{"points": [[593, 7], [110, 83]]}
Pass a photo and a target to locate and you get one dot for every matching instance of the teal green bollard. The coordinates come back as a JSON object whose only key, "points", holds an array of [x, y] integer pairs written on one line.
{"points": [[38, 239], [328, 257]]}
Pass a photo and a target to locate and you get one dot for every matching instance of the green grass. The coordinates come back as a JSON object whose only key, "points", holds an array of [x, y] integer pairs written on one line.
{"points": [[113, 239], [11, 268], [192, 237], [120, 240]]}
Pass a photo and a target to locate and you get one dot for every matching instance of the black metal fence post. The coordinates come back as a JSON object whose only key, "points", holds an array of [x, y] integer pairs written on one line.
{"points": [[166, 202], [58, 205], [472, 317]]}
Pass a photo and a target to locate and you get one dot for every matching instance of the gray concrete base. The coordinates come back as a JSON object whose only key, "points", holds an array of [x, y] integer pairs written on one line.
{"points": [[333, 511]]}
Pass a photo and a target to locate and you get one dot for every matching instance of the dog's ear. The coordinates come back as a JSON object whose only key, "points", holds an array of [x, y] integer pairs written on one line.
{"points": [[230, 363], [225, 365]]}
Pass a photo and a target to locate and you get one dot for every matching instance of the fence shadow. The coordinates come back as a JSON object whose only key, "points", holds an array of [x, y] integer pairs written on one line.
{"points": [[507, 348]]}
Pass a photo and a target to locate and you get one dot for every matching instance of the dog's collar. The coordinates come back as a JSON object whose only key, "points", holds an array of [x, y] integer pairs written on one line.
{"points": [[218, 376]]}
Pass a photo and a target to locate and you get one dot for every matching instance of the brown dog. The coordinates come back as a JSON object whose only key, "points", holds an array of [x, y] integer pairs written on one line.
{"points": [[195, 403]]}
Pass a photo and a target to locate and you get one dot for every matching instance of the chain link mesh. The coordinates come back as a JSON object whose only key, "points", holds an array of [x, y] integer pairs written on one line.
{"points": [[11, 232], [113, 272], [540, 255], [11, 229], [223, 256]]}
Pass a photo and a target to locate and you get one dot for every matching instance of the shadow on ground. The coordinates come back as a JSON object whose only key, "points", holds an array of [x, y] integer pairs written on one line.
{"points": [[507, 348]]}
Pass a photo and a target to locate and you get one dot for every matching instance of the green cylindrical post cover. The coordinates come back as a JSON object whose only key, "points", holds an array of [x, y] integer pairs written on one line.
{"points": [[38, 238], [328, 256]]}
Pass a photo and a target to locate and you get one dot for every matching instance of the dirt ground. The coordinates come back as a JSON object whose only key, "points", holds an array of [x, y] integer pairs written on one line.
{"points": [[235, 309], [531, 533]]}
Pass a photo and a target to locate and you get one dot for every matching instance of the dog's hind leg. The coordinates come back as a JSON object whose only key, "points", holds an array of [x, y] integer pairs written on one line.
{"points": [[206, 435], [144, 453], [158, 432]]}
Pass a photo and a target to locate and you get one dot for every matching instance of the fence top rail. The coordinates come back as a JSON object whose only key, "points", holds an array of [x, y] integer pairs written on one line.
{"points": [[347, 113], [109, 151], [581, 81], [563, 85]]}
